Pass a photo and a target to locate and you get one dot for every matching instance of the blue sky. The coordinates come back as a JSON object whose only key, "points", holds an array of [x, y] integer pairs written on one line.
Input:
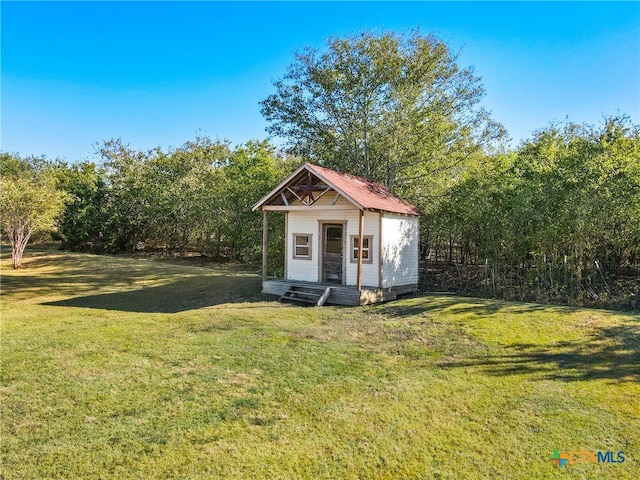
{"points": [[158, 73]]}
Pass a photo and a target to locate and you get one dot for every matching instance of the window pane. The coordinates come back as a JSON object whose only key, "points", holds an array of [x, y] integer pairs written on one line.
{"points": [[333, 240], [334, 233], [302, 251], [302, 240], [365, 242]]}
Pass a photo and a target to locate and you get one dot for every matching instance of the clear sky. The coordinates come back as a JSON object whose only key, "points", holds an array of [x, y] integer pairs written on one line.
{"points": [[158, 73]]}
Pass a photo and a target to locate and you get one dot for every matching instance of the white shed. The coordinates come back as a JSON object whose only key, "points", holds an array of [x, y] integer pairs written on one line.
{"points": [[348, 240]]}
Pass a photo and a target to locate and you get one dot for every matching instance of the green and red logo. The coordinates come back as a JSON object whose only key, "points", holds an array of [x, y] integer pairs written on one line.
{"points": [[559, 458]]}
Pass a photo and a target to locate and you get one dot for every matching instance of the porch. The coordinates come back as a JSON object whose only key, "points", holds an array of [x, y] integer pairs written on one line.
{"points": [[341, 294]]}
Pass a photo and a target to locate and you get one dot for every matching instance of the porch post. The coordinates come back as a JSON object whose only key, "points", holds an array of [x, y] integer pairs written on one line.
{"points": [[265, 235], [360, 242]]}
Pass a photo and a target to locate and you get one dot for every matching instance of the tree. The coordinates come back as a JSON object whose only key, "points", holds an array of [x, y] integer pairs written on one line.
{"points": [[29, 201], [181, 187], [81, 226], [126, 209], [252, 171], [396, 109]]}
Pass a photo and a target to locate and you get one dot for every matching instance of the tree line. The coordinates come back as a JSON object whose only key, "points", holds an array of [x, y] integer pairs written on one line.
{"points": [[556, 219], [195, 198], [557, 214]]}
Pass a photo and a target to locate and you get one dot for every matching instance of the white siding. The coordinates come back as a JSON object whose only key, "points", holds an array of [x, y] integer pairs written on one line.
{"points": [[400, 237], [297, 269], [309, 222]]}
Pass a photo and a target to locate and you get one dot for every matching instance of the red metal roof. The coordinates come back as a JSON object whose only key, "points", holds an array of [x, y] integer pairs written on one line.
{"points": [[365, 194], [369, 194]]}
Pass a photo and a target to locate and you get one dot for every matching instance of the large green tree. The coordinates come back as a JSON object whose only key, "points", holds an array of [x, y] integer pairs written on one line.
{"points": [[394, 108], [29, 200]]}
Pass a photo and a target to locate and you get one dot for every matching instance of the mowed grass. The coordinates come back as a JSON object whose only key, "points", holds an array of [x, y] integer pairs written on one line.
{"points": [[130, 368]]}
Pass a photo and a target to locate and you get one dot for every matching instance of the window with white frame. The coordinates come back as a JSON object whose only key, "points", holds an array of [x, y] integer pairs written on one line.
{"points": [[302, 246], [367, 243]]}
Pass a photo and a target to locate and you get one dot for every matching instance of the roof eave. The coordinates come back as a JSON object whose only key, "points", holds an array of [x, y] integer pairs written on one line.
{"points": [[281, 185], [308, 167], [381, 210]]}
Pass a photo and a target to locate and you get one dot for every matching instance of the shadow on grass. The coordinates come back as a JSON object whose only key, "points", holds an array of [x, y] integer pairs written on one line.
{"points": [[609, 353], [68, 283], [421, 303], [604, 352], [64, 274], [179, 296], [126, 284]]}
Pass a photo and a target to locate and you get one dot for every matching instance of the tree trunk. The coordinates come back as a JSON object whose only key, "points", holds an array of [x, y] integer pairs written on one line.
{"points": [[218, 244], [19, 241], [450, 249]]}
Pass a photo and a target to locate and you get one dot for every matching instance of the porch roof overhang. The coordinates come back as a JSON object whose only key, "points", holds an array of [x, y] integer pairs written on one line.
{"points": [[309, 179]]}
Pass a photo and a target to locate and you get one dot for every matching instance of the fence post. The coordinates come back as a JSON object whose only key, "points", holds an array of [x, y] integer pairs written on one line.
{"points": [[426, 270], [606, 285]]}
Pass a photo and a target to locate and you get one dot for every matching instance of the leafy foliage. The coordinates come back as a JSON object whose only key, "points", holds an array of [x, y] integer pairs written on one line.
{"points": [[29, 200], [181, 190], [393, 108], [197, 197], [81, 224], [571, 190]]}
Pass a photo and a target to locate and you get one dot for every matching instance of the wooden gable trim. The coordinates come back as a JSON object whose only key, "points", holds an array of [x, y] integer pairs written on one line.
{"points": [[306, 208], [284, 186], [277, 190]]}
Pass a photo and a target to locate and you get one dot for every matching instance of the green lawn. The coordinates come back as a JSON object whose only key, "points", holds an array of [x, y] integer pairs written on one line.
{"points": [[131, 368]]}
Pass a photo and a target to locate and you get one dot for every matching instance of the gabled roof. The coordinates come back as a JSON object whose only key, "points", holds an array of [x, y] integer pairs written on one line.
{"points": [[364, 194]]}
